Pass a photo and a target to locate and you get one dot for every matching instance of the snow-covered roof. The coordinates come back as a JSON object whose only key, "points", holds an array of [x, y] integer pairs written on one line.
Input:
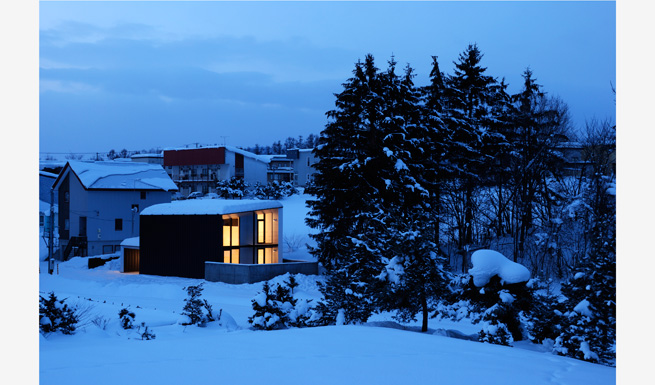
{"points": [[261, 158], [48, 174], [133, 242], [210, 207], [147, 155], [122, 176], [488, 263]]}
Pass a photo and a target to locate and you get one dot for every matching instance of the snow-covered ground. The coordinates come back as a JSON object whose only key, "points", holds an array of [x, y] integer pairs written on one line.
{"points": [[229, 352]]}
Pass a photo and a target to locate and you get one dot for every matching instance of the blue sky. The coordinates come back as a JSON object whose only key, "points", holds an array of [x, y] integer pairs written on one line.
{"points": [[141, 75]]}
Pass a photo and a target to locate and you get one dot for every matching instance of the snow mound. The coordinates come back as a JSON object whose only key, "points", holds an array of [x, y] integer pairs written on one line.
{"points": [[488, 263]]}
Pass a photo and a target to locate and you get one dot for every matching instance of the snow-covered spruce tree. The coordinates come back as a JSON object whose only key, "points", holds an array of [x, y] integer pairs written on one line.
{"points": [[588, 329], [470, 96], [55, 315], [436, 168], [415, 273], [198, 311], [272, 306], [537, 123], [346, 195]]}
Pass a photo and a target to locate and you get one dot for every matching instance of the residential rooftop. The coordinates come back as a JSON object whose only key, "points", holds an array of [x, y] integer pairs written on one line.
{"points": [[211, 207]]}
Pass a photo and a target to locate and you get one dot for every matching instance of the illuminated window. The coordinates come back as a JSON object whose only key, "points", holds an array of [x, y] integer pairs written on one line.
{"points": [[267, 255], [267, 227], [261, 228], [231, 256], [231, 239]]}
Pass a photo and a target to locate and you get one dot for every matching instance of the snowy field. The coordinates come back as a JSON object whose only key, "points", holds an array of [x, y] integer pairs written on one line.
{"points": [[229, 352]]}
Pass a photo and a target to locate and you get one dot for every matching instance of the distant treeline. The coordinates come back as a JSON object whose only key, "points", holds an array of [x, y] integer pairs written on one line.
{"points": [[279, 147]]}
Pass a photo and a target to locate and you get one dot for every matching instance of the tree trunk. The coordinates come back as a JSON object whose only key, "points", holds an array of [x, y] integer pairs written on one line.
{"points": [[424, 306]]}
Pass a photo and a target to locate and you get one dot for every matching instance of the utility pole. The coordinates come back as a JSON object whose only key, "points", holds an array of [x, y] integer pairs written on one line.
{"points": [[51, 261]]}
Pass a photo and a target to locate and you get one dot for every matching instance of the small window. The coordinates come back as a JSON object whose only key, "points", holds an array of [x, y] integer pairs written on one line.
{"points": [[67, 224], [143, 195], [118, 224], [67, 196]]}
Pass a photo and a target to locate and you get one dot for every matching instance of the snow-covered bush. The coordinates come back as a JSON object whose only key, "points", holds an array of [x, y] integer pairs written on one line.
{"points": [[497, 293], [197, 310], [276, 308], [55, 315], [127, 318], [272, 306], [274, 190], [233, 188]]}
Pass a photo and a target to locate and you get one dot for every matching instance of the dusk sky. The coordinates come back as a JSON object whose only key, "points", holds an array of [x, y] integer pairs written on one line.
{"points": [[142, 75]]}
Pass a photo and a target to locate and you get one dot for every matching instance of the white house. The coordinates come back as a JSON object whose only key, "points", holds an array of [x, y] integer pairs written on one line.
{"points": [[199, 169], [99, 203], [303, 165]]}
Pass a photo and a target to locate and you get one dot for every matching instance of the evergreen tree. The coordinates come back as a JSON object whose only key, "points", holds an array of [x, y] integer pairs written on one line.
{"points": [[272, 307], [532, 157], [588, 329], [55, 315], [470, 101], [347, 191], [417, 273]]}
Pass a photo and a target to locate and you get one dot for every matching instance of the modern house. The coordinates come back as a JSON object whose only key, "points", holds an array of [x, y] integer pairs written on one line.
{"points": [[178, 238], [99, 203]]}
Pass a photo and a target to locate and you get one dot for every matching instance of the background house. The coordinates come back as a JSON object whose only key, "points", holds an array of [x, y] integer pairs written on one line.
{"points": [[177, 238], [198, 169], [303, 165], [99, 203]]}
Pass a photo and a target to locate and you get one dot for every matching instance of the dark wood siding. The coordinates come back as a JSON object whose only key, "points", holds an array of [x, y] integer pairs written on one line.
{"points": [[179, 245]]}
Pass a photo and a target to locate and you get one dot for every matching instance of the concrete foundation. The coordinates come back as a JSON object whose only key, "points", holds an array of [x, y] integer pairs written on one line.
{"points": [[245, 273]]}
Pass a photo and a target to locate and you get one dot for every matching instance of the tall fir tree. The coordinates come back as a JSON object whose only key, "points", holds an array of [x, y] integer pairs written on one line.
{"points": [[470, 97], [415, 270], [344, 208]]}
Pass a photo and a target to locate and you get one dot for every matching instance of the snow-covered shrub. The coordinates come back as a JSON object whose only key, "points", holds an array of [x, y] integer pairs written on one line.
{"points": [[127, 318], [145, 333], [271, 307], [55, 315], [496, 333], [496, 293], [233, 188], [274, 190], [198, 310]]}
